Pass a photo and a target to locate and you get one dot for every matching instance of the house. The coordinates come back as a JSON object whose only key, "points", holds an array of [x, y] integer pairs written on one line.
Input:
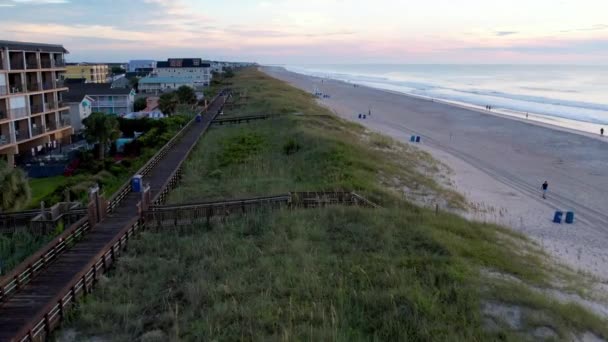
{"points": [[80, 109], [106, 99], [157, 84], [141, 64], [185, 68], [92, 73], [121, 82], [31, 112]]}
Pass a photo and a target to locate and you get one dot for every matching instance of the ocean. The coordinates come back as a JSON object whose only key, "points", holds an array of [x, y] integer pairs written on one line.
{"points": [[574, 93]]}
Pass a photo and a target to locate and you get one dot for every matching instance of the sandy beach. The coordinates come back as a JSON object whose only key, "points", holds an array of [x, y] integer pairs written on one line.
{"points": [[498, 163]]}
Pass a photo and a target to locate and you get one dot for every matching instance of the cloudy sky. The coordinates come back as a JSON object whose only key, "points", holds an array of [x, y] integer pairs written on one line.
{"points": [[317, 31]]}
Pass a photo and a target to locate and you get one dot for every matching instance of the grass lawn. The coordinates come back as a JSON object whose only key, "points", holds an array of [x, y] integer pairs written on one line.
{"points": [[43, 187], [339, 274]]}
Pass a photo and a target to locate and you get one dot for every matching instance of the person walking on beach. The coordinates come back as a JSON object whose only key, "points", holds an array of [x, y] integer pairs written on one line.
{"points": [[601, 131], [545, 187]]}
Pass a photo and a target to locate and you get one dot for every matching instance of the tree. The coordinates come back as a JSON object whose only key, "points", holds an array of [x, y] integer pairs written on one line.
{"points": [[15, 192], [116, 70], [167, 103], [185, 95], [228, 73], [140, 104], [102, 129], [134, 83]]}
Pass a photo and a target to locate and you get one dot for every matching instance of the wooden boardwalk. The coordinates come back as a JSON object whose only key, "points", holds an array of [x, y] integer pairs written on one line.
{"points": [[31, 312]]}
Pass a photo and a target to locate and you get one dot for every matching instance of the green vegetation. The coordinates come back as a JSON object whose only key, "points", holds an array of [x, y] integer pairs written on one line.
{"points": [[43, 189], [101, 129], [344, 274], [139, 104], [15, 193]]}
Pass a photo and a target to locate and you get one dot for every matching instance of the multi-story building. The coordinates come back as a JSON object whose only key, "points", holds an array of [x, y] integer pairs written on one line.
{"points": [[157, 85], [106, 99], [31, 110], [134, 65], [185, 68], [92, 73]]}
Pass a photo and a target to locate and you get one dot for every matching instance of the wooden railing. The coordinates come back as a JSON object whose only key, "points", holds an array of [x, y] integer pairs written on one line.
{"points": [[40, 327], [29, 268], [80, 285], [193, 213]]}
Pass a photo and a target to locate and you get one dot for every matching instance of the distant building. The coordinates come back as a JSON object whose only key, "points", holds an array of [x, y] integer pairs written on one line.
{"points": [[80, 109], [141, 64], [106, 99], [121, 82], [92, 73], [194, 69], [31, 110], [157, 85]]}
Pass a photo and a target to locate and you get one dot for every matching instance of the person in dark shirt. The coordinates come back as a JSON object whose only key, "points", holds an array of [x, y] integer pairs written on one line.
{"points": [[545, 187], [601, 131]]}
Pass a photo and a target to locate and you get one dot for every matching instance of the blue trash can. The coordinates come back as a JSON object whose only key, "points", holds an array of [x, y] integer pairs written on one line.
{"points": [[570, 217], [364, 116], [413, 138], [418, 139], [136, 184], [359, 116], [199, 118], [558, 217]]}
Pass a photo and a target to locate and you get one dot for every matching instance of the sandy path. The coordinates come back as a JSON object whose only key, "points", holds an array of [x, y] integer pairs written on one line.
{"points": [[499, 164]]}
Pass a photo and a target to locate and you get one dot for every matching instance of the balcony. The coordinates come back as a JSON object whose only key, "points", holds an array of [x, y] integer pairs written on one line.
{"points": [[31, 64], [20, 136], [51, 105], [3, 115], [51, 126], [59, 63], [4, 140], [64, 122], [37, 108], [110, 104], [18, 113], [16, 89], [60, 83], [48, 85], [34, 86], [37, 131], [17, 64], [45, 63], [3, 90]]}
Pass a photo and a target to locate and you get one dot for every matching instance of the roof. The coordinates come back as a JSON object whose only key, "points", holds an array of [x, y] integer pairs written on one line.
{"points": [[183, 63], [73, 97], [96, 89], [154, 80], [26, 46]]}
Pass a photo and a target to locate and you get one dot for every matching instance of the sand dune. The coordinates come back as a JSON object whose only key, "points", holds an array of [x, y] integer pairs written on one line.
{"points": [[499, 164]]}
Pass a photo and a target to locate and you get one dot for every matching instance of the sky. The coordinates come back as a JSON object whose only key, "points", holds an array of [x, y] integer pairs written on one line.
{"points": [[317, 31]]}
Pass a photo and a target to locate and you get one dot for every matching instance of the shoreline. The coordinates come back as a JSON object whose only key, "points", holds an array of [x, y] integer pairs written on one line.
{"points": [[496, 162], [542, 120]]}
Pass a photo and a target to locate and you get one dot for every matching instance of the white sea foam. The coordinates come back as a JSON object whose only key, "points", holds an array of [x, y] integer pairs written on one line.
{"points": [[563, 92]]}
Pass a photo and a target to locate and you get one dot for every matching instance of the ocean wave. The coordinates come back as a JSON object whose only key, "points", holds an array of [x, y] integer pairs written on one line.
{"points": [[568, 109]]}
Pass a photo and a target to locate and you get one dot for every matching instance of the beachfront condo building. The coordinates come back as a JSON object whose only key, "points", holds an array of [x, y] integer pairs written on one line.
{"points": [[185, 68], [31, 110], [141, 64], [91, 73]]}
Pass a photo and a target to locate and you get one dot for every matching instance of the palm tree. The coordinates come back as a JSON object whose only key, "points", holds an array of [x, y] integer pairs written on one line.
{"points": [[102, 129], [167, 103], [15, 192]]}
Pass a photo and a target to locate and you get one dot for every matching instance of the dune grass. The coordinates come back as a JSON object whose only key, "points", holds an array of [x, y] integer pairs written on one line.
{"points": [[339, 274]]}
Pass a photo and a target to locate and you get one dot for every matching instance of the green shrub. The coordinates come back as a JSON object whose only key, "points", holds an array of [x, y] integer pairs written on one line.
{"points": [[291, 147]]}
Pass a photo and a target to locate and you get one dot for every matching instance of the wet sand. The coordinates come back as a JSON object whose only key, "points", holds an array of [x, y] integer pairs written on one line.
{"points": [[499, 163]]}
